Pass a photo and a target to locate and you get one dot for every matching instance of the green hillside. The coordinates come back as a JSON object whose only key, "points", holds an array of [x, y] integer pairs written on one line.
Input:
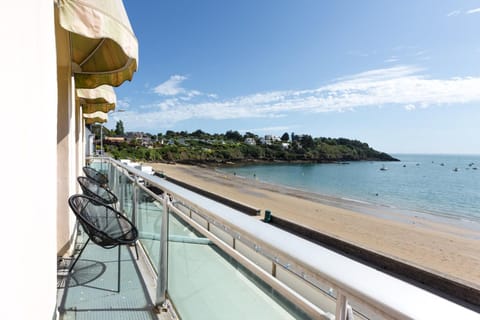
{"points": [[201, 147]]}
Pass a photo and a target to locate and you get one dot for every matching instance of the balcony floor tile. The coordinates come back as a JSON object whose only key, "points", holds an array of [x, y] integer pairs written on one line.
{"points": [[89, 292]]}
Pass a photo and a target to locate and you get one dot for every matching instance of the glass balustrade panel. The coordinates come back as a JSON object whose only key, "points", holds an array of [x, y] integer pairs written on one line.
{"points": [[125, 193], [148, 220], [203, 277]]}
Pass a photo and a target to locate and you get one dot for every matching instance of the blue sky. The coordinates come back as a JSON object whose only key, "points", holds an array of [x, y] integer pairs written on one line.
{"points": [[403, 76]]}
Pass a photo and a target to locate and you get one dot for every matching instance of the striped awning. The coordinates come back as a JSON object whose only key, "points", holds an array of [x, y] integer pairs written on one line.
{"points": [[104, 47], [96, 117], [102, 99]]}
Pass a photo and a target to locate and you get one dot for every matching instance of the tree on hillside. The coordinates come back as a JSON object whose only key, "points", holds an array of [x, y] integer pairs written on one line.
{"points": [[250, 135], [293, 137], [284, 137], [233, 135], [119, 130], [198, 134], [307, 141], [169, 134]]}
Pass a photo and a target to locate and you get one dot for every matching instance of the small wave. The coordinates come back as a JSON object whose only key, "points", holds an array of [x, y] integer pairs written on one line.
{"points": [[469, 219], [391, 206], [355, 200]]}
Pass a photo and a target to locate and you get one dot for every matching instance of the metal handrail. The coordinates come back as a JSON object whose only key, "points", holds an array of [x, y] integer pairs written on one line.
{"points": [[385, 296]]}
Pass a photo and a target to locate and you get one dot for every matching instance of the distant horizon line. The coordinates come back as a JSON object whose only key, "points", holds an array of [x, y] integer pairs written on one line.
{"points": [[434, 154]]}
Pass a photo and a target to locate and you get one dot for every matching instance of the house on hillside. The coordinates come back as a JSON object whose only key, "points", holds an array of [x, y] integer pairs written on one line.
{"points": [[269, 139], [250, 141], [133, 136], [140, 138], [114, 140], [146, 141]]}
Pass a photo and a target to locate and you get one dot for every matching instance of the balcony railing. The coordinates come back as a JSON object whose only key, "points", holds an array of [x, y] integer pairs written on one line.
{"points": [[192, 242]]}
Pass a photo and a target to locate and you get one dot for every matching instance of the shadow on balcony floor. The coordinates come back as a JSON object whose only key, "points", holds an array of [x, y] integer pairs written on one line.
{"points": [[89, 292]]}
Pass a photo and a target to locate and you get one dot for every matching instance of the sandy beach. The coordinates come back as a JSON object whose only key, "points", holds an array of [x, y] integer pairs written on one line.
{"points": [[447, 249]]}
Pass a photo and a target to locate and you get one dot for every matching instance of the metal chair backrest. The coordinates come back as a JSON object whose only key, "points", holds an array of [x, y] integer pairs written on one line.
{"points": [[95, 190], [104, 225], [96, 175]]}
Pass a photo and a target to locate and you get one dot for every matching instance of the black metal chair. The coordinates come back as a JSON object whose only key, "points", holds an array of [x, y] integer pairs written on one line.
{"points": [[93, 189], [97, 176], [104, 225]]}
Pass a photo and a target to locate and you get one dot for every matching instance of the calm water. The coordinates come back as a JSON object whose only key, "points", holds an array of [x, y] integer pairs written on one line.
{"points": [[418, 182]]}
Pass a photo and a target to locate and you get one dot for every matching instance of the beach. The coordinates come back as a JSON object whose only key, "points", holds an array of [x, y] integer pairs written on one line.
{"points": [[447, 249]]}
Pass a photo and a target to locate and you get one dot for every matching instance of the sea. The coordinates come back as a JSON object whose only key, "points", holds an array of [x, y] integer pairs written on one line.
{"points": [[446, 186]]}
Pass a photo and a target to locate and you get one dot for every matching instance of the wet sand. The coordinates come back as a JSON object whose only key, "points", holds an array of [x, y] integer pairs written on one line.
{"points": [[448, 249]]}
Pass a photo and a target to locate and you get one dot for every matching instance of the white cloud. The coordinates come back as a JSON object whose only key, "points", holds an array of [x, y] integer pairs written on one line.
{"points": [[453, 13], [274, 129], [380, 74], [402, 86], [391, 59], [476, 10], [167, 104], [171, 87], [123, 103]]}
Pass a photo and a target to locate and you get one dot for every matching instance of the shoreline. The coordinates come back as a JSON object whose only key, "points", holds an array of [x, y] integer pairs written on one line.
{"points": [[465, 220], [247, 162], [449, 249], [371, 208]]}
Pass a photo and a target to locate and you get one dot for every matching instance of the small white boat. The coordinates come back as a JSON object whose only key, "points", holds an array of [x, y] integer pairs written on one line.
{"points": [[383, 168]]}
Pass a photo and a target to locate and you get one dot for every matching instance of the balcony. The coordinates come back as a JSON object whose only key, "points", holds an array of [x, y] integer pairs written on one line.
{"points": [[202, 260]]}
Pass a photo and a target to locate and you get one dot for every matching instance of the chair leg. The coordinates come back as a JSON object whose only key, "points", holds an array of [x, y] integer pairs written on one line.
{"points": [[118, 274], [136, 249], [79, 254]]}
